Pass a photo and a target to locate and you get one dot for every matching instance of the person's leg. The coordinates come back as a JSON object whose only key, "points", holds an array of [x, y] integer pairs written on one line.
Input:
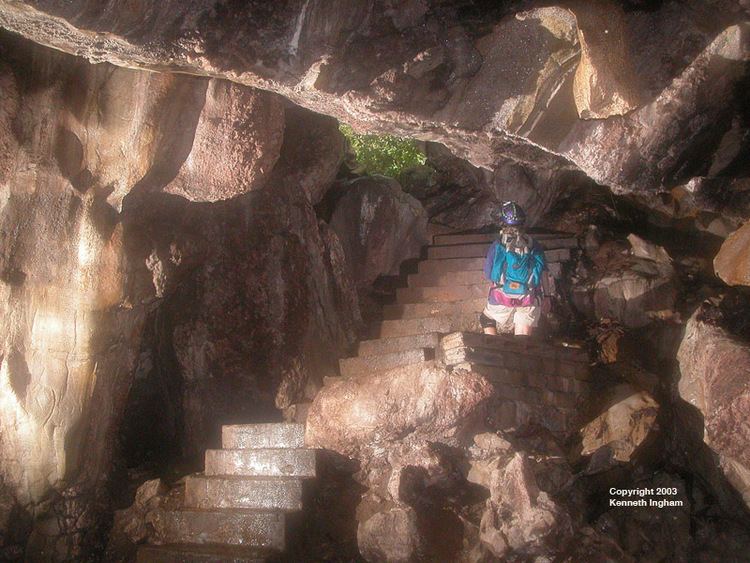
{"points": [[525, 320], [488, 324], [496, 317]]}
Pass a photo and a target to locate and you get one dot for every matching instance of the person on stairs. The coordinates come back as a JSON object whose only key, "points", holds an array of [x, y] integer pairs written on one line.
{"points": [[514, 266]]}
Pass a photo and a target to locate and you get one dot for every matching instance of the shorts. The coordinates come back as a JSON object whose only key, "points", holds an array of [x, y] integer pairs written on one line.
{"points": [[507, 317]]}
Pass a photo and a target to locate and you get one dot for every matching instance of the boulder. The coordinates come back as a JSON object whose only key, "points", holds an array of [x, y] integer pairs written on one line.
{"points": [[353, 416], [379, 227], [648, 250], [389, 535], [519, 519], [312, 152], [637, 295], [732, 263], [617, 434], [235, 143], [715, 379]]}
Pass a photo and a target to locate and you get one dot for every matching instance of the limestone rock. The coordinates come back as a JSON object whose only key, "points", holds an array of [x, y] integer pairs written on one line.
{"points": [[379, 227], [312, 154], [238, 298], [519, 518], [349, 415], [421, 69], [616, 435], [732, 263], [714, 378], [630, 297], [236, 142], [645, 249], [389, 535], [605, 80]]}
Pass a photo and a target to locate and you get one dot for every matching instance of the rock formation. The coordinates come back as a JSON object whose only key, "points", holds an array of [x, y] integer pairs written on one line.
{"points": [[523, 85], [732, 263], [96, 249], [714, 369]]}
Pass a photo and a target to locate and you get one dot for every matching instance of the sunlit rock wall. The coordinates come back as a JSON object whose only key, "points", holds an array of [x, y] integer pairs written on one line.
{"points": [[629, 96], [101, 173]]}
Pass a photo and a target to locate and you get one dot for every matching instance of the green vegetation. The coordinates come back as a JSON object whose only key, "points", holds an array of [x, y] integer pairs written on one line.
{"points": [[383, 154]]}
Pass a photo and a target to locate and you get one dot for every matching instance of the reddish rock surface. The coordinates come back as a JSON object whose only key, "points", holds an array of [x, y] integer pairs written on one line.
{"points": [[732, 263], [435, 71], [379, 227], [349, 415], [217, 312], [715, 379]]}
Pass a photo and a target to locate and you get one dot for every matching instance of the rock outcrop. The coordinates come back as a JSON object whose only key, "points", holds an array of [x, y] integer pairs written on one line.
{"points": [[531, 85], [715, 379], [732, 263], [627, 423], [379, 227], [519, 519], [97, 255]]}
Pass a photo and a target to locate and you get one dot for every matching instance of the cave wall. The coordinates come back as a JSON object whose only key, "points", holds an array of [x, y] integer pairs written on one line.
{"points": [[624, 94], [106, 228]]}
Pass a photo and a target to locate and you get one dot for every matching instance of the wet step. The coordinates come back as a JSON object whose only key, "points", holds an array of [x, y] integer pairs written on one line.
{"points": [[281, 435], [480, 251], [365, 365], [529, 346], [230, 527], [397, 344], [424, 325], [181, 553], [447, 278], [421, 310], [465, 278], [436, 294], [451, 265], [513, 361], [270, 462], [546, 241], [258, 493]]}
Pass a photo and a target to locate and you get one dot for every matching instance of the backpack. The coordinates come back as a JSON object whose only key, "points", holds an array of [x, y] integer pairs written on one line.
{"points": [[516, 269]]}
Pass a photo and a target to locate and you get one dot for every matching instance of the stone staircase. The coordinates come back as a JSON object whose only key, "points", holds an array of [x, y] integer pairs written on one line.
{"points": [[436, 318], [236, 510]]}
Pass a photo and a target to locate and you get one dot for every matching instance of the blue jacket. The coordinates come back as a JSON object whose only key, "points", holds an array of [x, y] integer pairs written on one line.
{"points": [[515, 274]]}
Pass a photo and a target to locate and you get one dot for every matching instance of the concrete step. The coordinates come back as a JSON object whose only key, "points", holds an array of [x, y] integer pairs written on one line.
{"points": [[480, 251], [275, 435], [546, 241], [258, 493], [466, 277], [202, 554], [447, 278], [532, 347], [231, 527], [457, 251], [398, 344], [441, 294], [451, 265], [261, 462], [421, 310], [424, 325], [365, 365]]}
